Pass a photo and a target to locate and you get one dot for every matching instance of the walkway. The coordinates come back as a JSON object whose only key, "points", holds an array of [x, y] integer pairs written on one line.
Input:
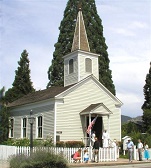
{"points": [[120, 161]]}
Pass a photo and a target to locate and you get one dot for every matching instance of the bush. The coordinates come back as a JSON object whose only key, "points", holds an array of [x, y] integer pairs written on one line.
{"points": [[70, 144], [26, 142], [124, 156], [39, 159], [74, 144], [60, 144]]}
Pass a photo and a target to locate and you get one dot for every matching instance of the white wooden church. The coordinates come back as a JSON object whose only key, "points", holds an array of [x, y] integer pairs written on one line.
{"points": [[64, 113]]}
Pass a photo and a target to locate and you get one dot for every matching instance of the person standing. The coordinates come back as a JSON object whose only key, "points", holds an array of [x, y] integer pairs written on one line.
{"points": [[130, 146], [93, 138], [105, 138], [140, 148], [146, 153], [96, 147]]}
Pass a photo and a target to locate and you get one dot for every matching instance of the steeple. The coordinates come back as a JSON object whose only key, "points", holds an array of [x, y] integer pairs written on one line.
{"points": [[80, 63], [80, 40]]}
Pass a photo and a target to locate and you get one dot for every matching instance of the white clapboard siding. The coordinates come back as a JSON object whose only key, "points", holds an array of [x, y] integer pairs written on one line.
{"points": [[46, 110], [83, 73], [69, 120], [73, 77]]}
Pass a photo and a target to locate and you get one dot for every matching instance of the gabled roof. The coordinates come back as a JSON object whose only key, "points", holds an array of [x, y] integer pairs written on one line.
{"points": [[39, 96], [80, 40], [98, 108], [100, 85], [59, 92]]}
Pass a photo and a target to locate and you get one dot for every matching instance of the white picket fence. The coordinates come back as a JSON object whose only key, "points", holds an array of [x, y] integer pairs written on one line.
{"points": [[105, 154]]}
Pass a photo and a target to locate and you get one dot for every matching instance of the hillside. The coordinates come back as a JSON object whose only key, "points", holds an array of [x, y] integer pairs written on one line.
{"points": [[125, 118]]}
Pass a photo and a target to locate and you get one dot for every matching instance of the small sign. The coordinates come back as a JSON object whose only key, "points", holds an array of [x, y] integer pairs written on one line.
{"points": [[59, 132]]}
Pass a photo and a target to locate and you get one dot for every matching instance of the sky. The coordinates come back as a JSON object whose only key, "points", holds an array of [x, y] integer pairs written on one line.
{"points": [[33, 25]]}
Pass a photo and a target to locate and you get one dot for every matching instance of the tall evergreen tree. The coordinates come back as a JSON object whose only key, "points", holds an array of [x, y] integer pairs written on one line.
{"points": [[147, 91], [22, 84], [146, 107], [4, 122], [94, 29]]}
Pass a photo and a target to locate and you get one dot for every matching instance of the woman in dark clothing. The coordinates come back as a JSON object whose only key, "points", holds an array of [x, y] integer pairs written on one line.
{"points": [[96, 150]]}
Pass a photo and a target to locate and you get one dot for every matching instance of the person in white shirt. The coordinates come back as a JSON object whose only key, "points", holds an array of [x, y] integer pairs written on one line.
{"points": [[93, 137], [140, 148], [105, 138]]}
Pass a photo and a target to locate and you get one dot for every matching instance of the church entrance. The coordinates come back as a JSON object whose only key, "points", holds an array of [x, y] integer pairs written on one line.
{"points": [[97, 127]]}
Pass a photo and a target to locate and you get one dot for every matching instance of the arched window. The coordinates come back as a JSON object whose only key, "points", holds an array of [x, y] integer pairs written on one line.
{"points": [[70, 66], [88, 65]]}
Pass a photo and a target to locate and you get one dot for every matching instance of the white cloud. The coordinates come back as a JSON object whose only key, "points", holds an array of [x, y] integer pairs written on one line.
{"points": [[137, 24], [123, 31]]}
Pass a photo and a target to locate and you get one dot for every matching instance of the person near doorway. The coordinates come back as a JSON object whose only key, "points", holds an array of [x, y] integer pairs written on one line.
{"points": [[96, 147], [105, 138], [140, 148], [93, 137], [130, 146]]}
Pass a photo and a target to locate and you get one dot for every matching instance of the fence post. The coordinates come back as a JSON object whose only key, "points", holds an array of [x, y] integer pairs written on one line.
{"points": [[115, 151], [134, 153]]}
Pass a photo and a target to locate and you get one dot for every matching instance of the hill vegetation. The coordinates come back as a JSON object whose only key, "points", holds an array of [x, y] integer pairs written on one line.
{"points": [[125, 119]]}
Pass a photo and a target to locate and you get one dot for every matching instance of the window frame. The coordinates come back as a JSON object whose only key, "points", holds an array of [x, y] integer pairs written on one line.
{"points": [[40, 127], [11, 129], [24, 127], [88, 65], [71, 66]]}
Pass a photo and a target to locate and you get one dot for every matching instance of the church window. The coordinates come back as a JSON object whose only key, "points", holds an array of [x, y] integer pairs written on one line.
{"points": [[88, 65], [70, 66], [24, 127], [40, 127], [11, 128]]}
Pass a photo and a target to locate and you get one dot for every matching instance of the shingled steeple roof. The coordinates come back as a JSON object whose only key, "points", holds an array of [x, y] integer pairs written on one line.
{"points": [[80, 40]]}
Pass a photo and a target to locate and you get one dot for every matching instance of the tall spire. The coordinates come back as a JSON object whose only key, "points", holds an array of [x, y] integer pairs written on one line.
{"points": [[80, 40]]}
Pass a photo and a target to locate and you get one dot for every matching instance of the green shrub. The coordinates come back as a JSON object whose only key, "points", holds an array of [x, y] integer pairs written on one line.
{"points": [[70, 144], [124, 156], [26, 142], [46, 142], [60, 144], [39, 159], [74, 144]]}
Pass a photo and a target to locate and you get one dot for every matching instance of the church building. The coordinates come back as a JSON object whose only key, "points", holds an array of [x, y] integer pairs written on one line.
{"points": [[64, 113]]}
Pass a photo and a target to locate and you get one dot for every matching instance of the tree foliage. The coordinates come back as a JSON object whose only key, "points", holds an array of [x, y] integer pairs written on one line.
{"points": [[22, 84], [135, 132], [147, 91], [94, 29], [146, 107], [4, 123]]}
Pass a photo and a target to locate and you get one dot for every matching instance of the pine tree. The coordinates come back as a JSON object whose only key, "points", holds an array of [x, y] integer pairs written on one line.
{"points": [[22, 84], [146, 107], [94, 29], [4, 121]]}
